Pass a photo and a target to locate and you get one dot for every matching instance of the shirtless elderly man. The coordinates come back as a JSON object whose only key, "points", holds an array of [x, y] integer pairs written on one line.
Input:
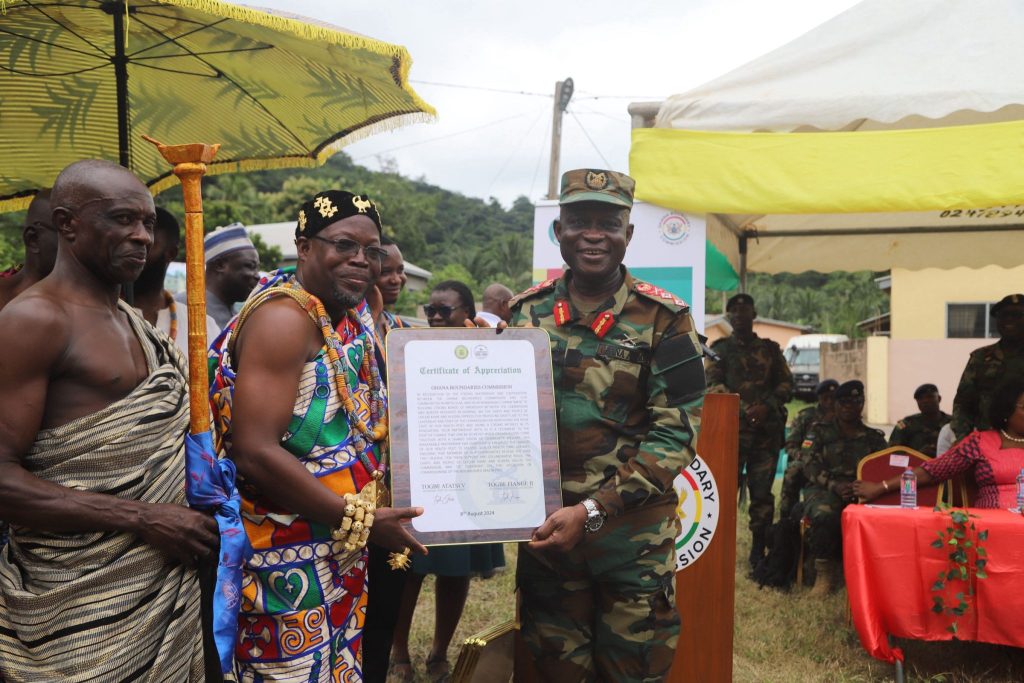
{"points": [[95, 583]]}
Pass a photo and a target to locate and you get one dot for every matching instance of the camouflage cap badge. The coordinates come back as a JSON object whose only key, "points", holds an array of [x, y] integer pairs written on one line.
{"points": [[597, 185]]}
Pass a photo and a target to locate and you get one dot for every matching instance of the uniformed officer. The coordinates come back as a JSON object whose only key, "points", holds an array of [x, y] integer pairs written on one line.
{"points": [[920, 431], [830, 456], [755, 369], [989, 366], [794, 481], [597, 579]]}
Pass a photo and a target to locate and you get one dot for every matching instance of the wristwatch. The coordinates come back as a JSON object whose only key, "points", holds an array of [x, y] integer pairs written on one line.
{"points": [[595, 516]]}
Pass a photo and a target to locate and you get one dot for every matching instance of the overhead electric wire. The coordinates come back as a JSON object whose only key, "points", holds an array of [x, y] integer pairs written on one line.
{"points": [[589, 139], [540, 155], [515, 149], [581, 95], [483, 88], [440, 137]]}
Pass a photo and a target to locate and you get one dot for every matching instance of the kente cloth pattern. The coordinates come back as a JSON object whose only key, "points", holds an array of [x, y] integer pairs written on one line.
{"points": [[105, 606], [303, 595]]}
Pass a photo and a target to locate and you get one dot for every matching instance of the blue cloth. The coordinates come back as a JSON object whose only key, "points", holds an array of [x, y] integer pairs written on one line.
{"points": [[210, 486]]}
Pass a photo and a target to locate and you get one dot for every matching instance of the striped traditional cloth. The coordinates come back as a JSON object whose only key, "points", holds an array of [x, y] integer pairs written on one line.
{"points": [[105, 606]]}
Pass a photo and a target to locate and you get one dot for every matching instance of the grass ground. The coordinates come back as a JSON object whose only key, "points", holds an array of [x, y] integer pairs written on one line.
{"points": [[779, 637]]}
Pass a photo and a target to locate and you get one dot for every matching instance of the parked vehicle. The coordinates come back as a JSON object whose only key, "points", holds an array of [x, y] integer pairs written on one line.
{"points": [[803, 354]]}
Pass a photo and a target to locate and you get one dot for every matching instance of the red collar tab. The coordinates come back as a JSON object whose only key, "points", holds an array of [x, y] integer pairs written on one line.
{"points": [[563, 313], [602, 323]]}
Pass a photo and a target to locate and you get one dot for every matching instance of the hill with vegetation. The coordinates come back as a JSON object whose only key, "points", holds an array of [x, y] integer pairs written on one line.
{"points": [[469, 239]]}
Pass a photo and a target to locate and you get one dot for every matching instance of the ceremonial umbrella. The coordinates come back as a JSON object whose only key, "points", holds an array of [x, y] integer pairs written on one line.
{"points": [[84, 79], [79, 77]]}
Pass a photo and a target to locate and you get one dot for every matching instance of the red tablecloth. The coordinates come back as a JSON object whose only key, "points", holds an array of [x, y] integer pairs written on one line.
{"points": [[890, 568]]}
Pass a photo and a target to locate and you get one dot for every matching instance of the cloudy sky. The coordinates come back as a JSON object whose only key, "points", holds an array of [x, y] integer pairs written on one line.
{"points": [[487, 143]]}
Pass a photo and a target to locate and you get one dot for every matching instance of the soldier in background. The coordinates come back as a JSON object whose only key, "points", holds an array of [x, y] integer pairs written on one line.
{"points": [[755, 369], [794, 480], [597, 578], [989, 366], [920, 431], [830, 456]]}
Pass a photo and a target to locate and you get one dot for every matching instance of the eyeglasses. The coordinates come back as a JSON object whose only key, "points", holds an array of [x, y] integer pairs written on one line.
{"points": [[442, 310], [346, 247]]}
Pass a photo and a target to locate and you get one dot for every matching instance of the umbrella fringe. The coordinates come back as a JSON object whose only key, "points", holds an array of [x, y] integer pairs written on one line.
{"points": [[218, 167], [285, 23]]}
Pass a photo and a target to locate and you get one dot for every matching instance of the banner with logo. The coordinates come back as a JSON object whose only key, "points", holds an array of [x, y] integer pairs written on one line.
{"points": [[667, 250], [697, 510]]}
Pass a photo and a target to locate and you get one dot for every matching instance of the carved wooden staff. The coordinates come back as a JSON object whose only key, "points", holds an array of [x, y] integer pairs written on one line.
{"points": [[189, 163]]}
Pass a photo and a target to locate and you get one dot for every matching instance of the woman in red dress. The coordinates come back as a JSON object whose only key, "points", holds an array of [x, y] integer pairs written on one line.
{"points": [[996, 456]]}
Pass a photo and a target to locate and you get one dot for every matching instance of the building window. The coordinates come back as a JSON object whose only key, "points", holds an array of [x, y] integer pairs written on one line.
{"points": [[969, 321]]}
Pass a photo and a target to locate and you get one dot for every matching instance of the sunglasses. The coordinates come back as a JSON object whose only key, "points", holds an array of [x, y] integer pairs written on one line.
{"points": [[442, 310], [349, 248]]}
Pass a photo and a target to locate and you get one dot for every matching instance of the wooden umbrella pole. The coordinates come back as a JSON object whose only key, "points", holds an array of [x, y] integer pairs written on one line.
{"points": [[189, 163]]}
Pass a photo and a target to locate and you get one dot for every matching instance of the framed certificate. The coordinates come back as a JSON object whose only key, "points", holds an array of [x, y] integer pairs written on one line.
{"points": [[473, 439]]}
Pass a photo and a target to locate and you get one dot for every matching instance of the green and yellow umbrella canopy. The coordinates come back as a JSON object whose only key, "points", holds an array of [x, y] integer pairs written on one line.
{"points": [[84, 79]]}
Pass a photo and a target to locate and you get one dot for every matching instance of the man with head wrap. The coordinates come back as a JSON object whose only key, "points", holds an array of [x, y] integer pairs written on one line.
{"points": [[301, 409]]}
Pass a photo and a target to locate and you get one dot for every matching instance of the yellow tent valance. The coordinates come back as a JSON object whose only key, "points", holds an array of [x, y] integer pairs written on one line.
{"points": [[845, 172]]}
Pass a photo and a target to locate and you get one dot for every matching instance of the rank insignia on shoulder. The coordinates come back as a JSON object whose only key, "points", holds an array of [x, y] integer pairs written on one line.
{"points": [[547, 284], [602, 323], [901, 425], [562, 311], [658, 293]]}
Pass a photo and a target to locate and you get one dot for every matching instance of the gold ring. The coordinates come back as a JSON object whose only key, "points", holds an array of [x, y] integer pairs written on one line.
{"points": [[400, 560]]}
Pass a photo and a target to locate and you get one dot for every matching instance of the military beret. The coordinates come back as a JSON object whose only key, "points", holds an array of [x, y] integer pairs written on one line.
{"points": [[737, 299], [331, 206], [925, 389], [597, 185], [826, 386], [852, 389], [1008, 300]]}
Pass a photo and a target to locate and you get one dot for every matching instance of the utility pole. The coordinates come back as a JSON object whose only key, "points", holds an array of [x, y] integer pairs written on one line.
{"points": [[563, 93]]}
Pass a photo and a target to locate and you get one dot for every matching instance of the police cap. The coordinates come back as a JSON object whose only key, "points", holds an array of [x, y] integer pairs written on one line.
{"points": [[826, 386], [853, 390], [737, 300], [1008, 300]]}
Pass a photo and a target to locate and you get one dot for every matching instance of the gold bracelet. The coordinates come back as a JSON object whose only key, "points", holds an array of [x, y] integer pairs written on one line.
{"points": [[354, 527], [885, 486]]}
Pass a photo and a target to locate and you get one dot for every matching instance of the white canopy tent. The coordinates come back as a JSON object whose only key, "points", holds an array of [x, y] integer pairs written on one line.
{"points": [[883, 65]]}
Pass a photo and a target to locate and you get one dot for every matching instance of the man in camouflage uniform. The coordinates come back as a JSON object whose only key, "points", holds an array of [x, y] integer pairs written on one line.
{"points": [[989, 366], [596, 581], [794, 480], [831, 452], [755, 369], [920, 431]]}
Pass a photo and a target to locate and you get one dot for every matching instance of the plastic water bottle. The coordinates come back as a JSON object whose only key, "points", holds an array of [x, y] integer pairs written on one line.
{"points": [[1020, 492], [908, 489]]}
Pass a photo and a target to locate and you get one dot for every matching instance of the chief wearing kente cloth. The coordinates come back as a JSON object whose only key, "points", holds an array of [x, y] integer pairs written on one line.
{"points": [[301, 409], [95, 583], [597, 579]]}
